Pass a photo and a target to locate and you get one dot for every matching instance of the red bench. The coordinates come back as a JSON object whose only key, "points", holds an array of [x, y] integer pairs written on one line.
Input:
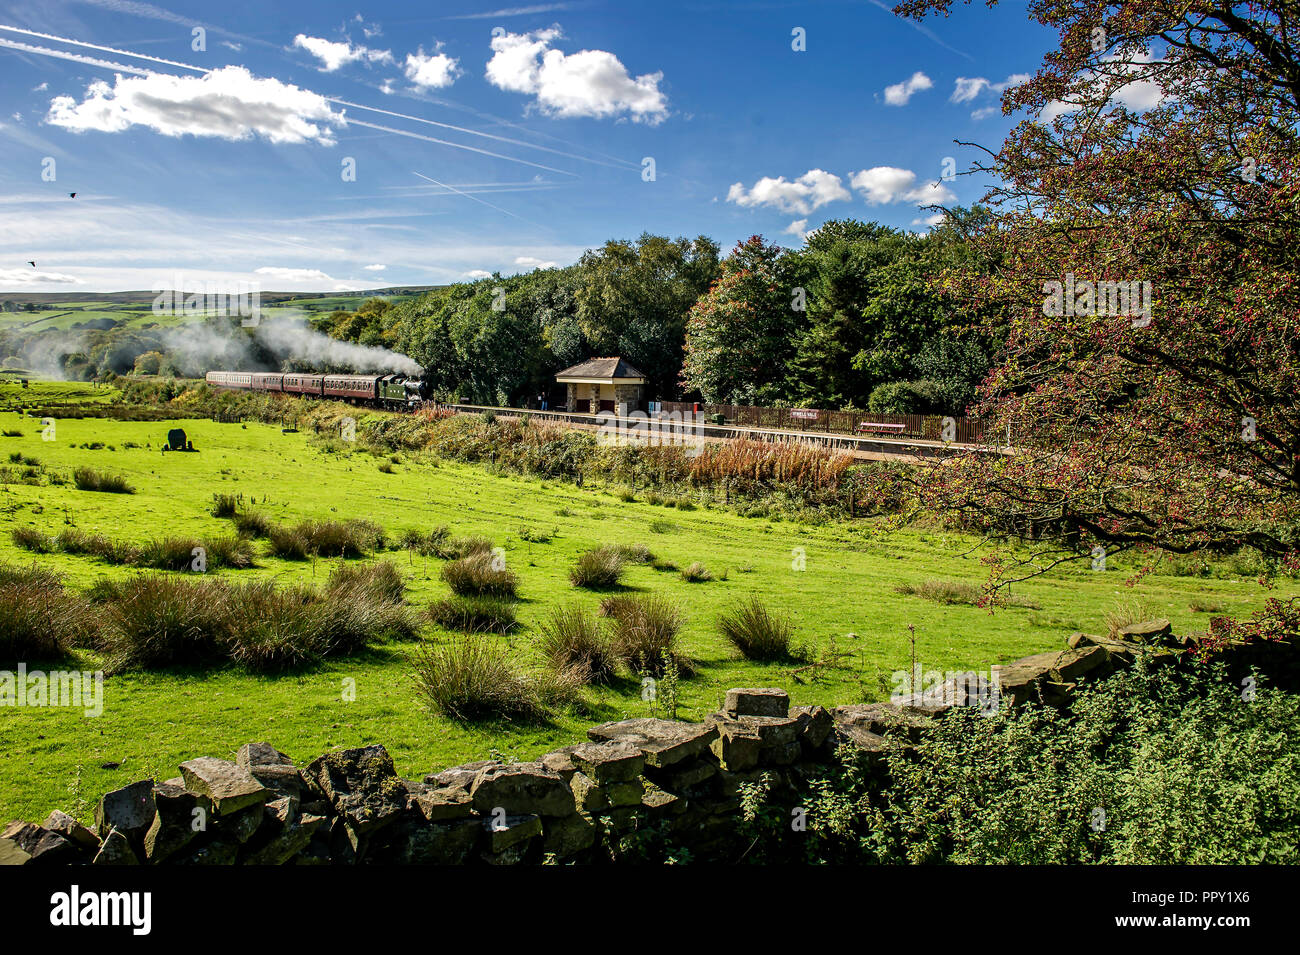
{"points": [[880, 426]]}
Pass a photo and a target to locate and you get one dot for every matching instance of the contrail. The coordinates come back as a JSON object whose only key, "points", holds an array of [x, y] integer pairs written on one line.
{"points": [[74, 57], [475, 132], [476, 199], [443, 142], [103, 49]]}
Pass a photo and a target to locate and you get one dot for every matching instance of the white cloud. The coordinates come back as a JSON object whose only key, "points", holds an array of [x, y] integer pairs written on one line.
{"points": [[281, 274], [966, 89], [433, 71], [30, 276], [930, 221], [41, 88], [374, 268], [984, 112], [900, 93], [477, 274], [882, 185], [532, 262], [812, 190], [334, 55], [587, 83], [799, 227], [227, 103], [1138, 95], [237, 47]]}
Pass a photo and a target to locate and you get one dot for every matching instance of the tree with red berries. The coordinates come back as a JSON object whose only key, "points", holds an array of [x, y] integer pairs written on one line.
{"points": [[1144, 253]]}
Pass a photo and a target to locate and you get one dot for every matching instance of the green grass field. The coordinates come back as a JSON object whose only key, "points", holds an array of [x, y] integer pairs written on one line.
{"points": [[53, 758]]}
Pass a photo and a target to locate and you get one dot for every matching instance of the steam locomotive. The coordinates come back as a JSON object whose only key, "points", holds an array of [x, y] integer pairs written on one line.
{"points": [[385, 391]]}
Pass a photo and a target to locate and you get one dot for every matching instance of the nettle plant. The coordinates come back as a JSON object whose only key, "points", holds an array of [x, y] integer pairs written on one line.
{"points": [[1160, 146]]}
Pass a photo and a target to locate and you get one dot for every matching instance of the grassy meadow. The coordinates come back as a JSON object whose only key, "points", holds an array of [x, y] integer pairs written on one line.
{"points": [[844, 585]]}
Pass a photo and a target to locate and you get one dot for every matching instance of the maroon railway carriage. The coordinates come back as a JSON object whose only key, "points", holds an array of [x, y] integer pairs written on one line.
{"points": [[352, 387], [302, 384], [267, 381]]}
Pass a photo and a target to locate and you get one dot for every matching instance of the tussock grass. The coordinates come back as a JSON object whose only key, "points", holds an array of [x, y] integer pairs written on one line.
{"points": [[696, 573], [252, 523], [39, 619], [479, 574], [473, 614], [224, 505], [756, 632], [472, 679], [89, 479], [155, 621], [1125, 613], [645, 628], [325, 539], [957, 592], [575, 642], [598, 569], [29, 538]]}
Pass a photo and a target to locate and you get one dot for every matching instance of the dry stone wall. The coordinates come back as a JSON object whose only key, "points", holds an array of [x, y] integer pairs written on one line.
{"points": [[681, 781]]}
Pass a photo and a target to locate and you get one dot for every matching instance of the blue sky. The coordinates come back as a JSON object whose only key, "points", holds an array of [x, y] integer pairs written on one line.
{"points": [[224, 156]]}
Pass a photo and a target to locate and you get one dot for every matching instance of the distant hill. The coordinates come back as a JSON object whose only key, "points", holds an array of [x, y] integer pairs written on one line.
{"points": [[141, 297]]}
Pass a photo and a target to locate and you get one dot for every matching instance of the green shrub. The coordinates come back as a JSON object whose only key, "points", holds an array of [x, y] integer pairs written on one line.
{"points": [[598, 569], [574, 641], [756, 632], [471, 679], [480, 574], [88, 479], [906, 397], [473, 614]]}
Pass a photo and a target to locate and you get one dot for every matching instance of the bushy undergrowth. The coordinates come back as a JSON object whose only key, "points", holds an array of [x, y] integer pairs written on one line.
{"points": [[1165, 766]]}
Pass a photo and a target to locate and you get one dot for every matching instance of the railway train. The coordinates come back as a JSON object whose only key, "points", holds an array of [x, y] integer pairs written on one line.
{"points": [[385, 391]]}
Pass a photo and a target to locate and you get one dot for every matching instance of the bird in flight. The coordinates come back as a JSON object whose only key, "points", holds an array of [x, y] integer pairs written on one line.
{"points": [[72, 195], [32, 264]]}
